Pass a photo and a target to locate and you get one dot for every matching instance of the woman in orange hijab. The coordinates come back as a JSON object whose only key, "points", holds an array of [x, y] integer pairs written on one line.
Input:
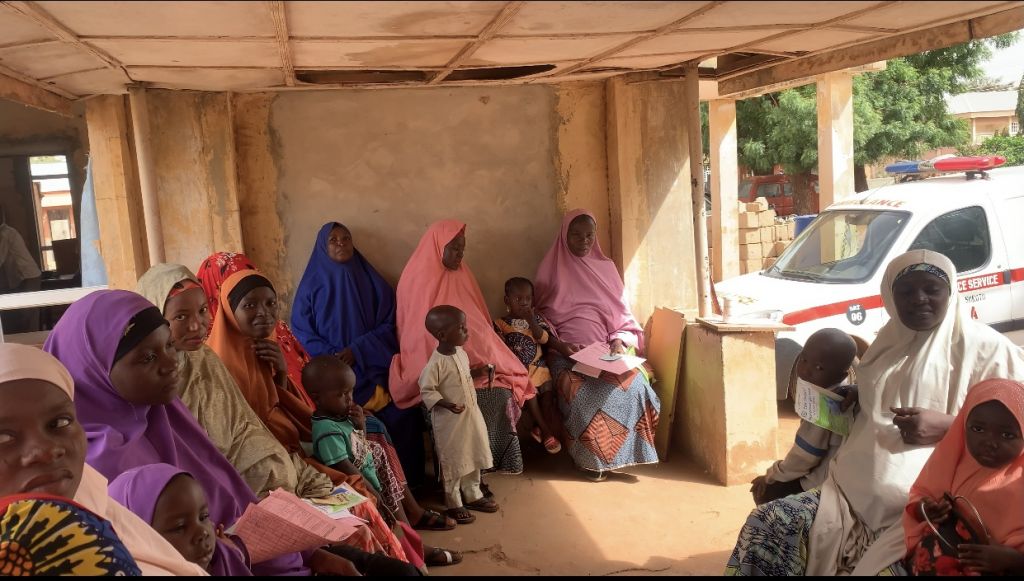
{"points": [[243, 336]]}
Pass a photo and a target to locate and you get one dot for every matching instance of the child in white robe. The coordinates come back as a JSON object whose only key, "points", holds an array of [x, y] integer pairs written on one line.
{"points": [[460, 434]]}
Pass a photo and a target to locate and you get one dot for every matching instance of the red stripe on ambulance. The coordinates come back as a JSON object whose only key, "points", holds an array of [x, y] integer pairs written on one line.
{"points": [[815, 313], [964, 285], [977, 283]]}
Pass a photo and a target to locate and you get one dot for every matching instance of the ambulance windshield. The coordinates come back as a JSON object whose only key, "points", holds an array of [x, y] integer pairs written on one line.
{"points": [[841, 247]]}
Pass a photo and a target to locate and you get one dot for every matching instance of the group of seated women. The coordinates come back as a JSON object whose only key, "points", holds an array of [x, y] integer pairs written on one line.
{"points": [[152, 420], [930, 479]]}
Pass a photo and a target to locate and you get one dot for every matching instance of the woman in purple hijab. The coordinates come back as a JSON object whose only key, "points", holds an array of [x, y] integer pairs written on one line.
{"points": [[140, 491], [116, 345]]}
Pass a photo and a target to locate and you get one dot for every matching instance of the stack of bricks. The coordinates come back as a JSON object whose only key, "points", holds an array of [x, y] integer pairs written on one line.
{"points": [[763, 236]]}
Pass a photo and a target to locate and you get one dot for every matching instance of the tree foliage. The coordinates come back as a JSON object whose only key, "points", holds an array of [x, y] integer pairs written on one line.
{"points": [[1009, 146], [898, 112]]}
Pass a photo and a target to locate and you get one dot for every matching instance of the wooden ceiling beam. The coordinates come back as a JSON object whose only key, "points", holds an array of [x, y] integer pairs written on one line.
{"points": [[879, 50], [34, 12], [507, 12], [32, 95], [284, 45], [670, 27]]}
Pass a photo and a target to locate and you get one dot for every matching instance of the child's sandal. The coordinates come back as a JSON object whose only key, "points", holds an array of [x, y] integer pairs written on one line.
{"points": [[552, 445], [461, 515]]}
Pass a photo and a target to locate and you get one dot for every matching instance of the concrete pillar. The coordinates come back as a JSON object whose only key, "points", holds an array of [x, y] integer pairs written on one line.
{"points": [[147, 174], [115, 181], [691, 96], [650, 195], [724, 189], [835, 138]]}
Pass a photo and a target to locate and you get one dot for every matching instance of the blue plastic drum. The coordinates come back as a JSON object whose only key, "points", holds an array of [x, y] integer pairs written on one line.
{"points": [[803, 222]]}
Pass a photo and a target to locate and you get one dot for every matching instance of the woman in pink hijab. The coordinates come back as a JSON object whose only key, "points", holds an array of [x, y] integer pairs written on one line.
{"points": [[610, 421], [436, 275]]}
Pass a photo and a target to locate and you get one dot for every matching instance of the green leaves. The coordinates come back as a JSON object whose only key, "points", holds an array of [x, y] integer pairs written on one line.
{"points": [[899, 112]]}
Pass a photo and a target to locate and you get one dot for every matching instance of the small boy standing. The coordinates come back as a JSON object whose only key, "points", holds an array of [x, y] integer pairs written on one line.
{"points": [[460, 434], [825, 361]]}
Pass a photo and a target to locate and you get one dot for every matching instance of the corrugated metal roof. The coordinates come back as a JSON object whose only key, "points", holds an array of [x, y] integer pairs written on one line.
{"points": [[982, 102]]}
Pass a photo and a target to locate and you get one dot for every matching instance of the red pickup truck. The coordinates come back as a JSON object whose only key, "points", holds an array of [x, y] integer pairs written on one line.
{"points": [[777, 189]]}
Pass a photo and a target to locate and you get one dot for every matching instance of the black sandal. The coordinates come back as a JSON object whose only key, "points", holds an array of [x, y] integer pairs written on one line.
{"points": [[433, 521]]}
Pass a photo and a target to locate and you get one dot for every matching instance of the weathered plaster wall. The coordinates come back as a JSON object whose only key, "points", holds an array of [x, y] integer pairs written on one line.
{"points": [[389, 163], [194, 158], [582, 162], [650, 195], [262, 172], [262, 231]]}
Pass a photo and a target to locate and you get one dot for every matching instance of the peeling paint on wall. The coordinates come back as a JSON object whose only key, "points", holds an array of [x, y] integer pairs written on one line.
{"points": [[256, 161], [193, 155], [581, 159]]}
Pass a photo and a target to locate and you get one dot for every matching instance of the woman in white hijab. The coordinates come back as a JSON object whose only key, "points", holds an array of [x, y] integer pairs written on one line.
{"points": [[44, 452], [912, 381]]}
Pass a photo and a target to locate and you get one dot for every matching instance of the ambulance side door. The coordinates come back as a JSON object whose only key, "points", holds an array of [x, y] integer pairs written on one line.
{"points": [[972, 238], [1011, 215]]}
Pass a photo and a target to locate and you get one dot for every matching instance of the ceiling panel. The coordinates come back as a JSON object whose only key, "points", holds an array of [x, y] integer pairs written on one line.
{"points": [[812, 40], [578, 17], [648, 61], [762, 13], [41, 61], [375, 53], [909, 14], [199, 53], [354, 19], [695, 42], [163, 18], [105, 81], [513, 51], [16, 29], [208, 79]]}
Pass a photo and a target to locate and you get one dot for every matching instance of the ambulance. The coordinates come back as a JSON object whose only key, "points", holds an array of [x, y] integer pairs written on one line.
{"points": [[831, 275]]}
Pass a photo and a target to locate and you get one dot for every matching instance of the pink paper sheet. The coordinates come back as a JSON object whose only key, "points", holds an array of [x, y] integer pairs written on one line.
{"points": [[591, 356], [282, 523]]}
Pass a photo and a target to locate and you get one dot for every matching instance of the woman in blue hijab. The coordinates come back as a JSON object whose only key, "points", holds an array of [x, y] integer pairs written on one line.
{"points": [[343, 307]]}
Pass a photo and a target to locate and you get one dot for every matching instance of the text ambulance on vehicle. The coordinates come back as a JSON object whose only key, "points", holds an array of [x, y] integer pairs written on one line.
{"points": [[831, 275]]}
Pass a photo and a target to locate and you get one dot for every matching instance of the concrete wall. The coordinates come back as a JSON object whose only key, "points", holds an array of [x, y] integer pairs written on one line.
{"points": [[194, 158], [507, 161], [262, 172], [650, 195]]}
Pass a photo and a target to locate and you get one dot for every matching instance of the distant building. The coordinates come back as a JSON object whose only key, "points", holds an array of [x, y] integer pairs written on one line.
{"points": [[987, 113]]}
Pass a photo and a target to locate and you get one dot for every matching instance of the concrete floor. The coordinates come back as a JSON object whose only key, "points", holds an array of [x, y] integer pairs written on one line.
{"points": [[668, 519]]}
